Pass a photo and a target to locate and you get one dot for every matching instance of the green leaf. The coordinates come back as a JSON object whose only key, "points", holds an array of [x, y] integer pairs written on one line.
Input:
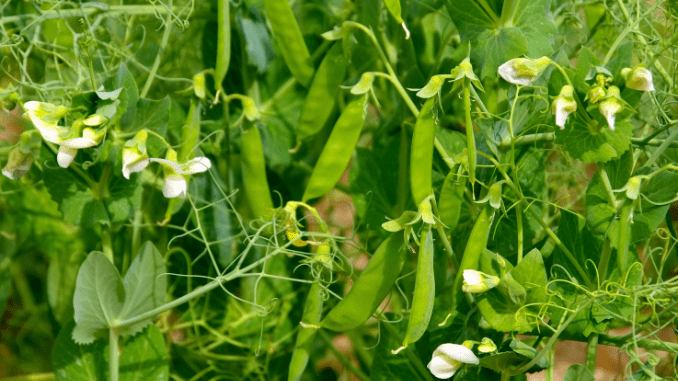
{"points": [[386, 366], [661, 189], [578, 372], [102, 298], [128, 98], [61, 284], [579, 240], [257, 42], [98, 299], [585, 62], [511, 361], [154, 116], [125, 198], [505, 315], [593, 147], [530, 32], [145, 286], [142, 357]]}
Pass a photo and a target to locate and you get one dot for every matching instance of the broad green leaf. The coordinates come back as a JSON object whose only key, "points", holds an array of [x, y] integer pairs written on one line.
{"points": [[152, 115], [594, 147], [125, 198], [579, 240], [98, 299], [145, 285], [585, 62], [578, 372], [142, 357], [512, 357], [503, 314], [499, 46], [257, 42], [61, 283], [128, 98], [661, 188]]}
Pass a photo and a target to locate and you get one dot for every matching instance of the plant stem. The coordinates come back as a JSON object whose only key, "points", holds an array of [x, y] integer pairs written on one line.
{"points": [[470, 139], [113, 10], [344, 360], [401, 194], [113, 356], [604, 261], [659, 151], [624, 237], [443, 237], [158, 57], [107, 242], [602, 172]]}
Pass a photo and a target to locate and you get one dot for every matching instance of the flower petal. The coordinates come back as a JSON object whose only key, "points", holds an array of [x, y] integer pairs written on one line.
{"points": [[78, 143], [169, 165], [134, 166], [472, 277], [174, 186], [196, 165], [441, 368], [457, 352], [66, 156]]}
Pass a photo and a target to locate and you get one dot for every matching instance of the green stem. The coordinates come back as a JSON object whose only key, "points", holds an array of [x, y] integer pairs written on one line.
{"points": [[91, 73], [605, 180], [22, 286], [31, 377], [508, 13], [113, 356], [158, 57], [591, 351], [443, 237], [550, 136], [114, 10], [659, 151], [107, 242], [344, 360], [401, 195], [519, 226], [625, 216]]}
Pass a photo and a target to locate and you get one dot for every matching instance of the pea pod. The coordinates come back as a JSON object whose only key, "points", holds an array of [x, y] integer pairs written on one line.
{"points": [[424, 292], [337, 151], [302, 350], [375, 282], [477, 242], [254, 172], [190, 132], [451, 199], [421, 157], [290, 41], [322, 93], [223, 42]]}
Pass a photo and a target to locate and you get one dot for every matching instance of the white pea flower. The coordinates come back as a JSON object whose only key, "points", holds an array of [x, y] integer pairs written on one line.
{"points": [[523, 71], [45, 117], [564, 105], [611, 105], [175, 181], [448, 358], [69, 147], [18, 164], [476, 281], [638, 78], [134, 155]]}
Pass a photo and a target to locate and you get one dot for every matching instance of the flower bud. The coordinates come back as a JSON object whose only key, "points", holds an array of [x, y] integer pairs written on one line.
{"points": [[633, 187], [18, 164], [523, 71], [476, 281], [487, 346], [364, 85], [595, 94], [433, 86], [564, 105], [495, 195], [250, 109], [465, 69], [134, 155], [611, 105], [448, 358], [199, 87], [638, 78]]}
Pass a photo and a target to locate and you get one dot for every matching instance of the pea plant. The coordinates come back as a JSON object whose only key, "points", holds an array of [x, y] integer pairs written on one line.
{"points": [[364, 189]]}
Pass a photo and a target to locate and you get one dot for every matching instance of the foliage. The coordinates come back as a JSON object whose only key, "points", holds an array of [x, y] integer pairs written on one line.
{"points": [[174, 175]]}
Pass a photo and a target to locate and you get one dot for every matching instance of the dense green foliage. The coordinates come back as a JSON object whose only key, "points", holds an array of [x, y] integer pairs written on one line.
{"points": [[175, 173]]}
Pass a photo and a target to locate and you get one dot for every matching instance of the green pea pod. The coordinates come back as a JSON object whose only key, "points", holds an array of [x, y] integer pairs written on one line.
{"points": [[451, 199], [424, 292], [337, 151], [290, 41], [322, 93], [374, 283], [477, 242], [302, 350], [421, 157], [223, 42], [254, 172]]}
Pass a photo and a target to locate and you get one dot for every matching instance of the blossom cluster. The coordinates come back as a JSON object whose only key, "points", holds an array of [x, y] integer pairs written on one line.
{"points": [[90, 132]]}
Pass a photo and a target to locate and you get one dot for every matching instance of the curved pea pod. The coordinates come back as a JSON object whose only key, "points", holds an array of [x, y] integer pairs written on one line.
{"points": [[477, 242], [451, 199], [254, 172], [223, 42], [374, 283], [322, 93], [421, 157], [302, 350], [424, 292], [337, 152], [290, 41]]}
